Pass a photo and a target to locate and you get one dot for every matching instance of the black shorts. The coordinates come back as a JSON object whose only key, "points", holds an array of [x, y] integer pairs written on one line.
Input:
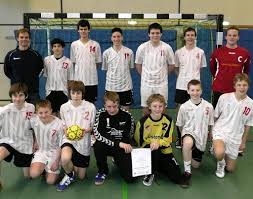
{"points": [[91, 93], [78, 159], [125, 97], [196, 153], [181, 96], [57, 98], [216, 96], [20, 159]]}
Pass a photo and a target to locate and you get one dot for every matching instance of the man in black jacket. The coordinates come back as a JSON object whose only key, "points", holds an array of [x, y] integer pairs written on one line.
{"points": [[24, 64]]}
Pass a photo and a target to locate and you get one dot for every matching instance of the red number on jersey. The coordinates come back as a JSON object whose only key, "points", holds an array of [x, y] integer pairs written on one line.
{"points": [[28, 115], [86, 115], [53, 132], [65, 65], [92, 49], [246, 111]]}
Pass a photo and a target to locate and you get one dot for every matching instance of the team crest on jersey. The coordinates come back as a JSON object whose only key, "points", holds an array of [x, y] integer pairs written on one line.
{"points": [[65, 65], [92, 49], [28, 115]]}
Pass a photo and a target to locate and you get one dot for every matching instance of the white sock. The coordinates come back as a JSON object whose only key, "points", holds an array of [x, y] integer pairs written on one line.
{"points": [[187, 166]]}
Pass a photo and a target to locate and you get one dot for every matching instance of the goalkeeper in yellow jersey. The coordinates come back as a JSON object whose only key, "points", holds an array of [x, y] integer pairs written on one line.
{"points": [[154, 131]]}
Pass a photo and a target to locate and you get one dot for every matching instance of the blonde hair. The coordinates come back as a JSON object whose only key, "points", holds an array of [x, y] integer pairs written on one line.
{"points": [[156, 97]]}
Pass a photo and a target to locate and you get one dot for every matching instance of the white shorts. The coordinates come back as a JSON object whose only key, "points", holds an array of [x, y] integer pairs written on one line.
{"points": [[47, 158], [146, 91], [231, 149]]}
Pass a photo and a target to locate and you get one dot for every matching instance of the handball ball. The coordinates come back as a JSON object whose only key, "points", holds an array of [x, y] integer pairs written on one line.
{"points": [[74, 132]]}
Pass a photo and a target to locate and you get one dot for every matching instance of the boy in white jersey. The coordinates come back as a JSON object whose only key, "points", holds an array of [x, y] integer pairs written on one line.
{"points": [[58, 69], [194, 119], [86, 56], [154, 60], [14, 125], [188, 62], [75, 155], [118, 60], [48, 131], [234, 117]]}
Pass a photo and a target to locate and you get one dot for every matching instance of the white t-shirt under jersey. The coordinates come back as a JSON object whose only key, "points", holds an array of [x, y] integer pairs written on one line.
{"points": [[232, 115], [15, 127], [58, 72], [49, 135], [84, 116], [155, 61], [189, 63], [85, 57], [118, 64], [195, 119]]}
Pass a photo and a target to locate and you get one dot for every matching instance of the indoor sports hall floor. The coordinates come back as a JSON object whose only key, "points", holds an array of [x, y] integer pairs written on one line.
{"points": [[204, 183]]}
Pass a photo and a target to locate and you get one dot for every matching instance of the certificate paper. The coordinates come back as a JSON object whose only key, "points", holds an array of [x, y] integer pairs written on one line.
{"points": [[141, 162]]}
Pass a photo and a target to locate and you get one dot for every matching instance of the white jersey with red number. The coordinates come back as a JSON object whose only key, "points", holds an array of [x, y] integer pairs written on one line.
{"points": [[48, 136], [195, 119], [58, 72], [85, 57], [154, 61], [189, 63], [84, 116], [118, 64], [15, 127], [232, 116]]}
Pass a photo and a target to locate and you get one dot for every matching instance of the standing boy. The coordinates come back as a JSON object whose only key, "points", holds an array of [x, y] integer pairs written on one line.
{"points": [[118, 60], [195, 118], [86, 56], [58, 69], [154, 60]]}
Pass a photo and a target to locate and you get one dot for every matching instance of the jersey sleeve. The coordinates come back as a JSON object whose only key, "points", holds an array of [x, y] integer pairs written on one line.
{"points": [[131, 63], [180, 117], [203, 60], [177, 63], [105, 61], [249, 121], [213, 63], [45, 71], [247, 64], [218, 108], [170, 56], [211, 116], [98, 58], [139, 55], [137, 134], [71, 71], [72, 53], [93, 116]]}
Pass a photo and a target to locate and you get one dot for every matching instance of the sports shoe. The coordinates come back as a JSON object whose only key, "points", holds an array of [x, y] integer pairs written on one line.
{"points": [[178, 143], [240, 153], [185, 180], [100, 179], [220, 172], [65, 182], [148, 180]]}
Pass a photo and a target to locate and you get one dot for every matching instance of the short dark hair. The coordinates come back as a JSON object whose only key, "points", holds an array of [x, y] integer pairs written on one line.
{"points": [[233, 28], [23, 30], [155, 26], [18, 88], [117, 30], [83, 23], [193, 82], [57, 41], [76, 86], [190, 29]]}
